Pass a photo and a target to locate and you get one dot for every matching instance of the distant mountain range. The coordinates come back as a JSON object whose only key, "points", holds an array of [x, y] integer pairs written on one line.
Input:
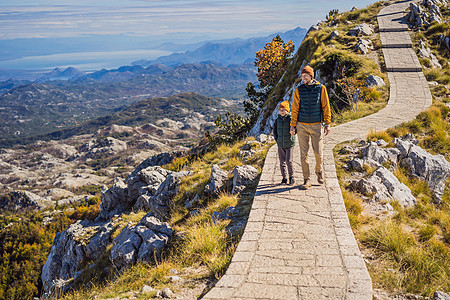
{"points": [[175, 108], [60, 74], [66, 98], [226, 52], [220, 53], [38, 108]]}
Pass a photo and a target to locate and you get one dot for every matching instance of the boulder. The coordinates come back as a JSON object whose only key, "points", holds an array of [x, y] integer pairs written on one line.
{"points": [[361, 29], [114, 201], [243, 176], [334, 34], [82, 241], [356, 164], [262, 138], [161, 202], [361, 48], [414, 16], [140, 243], [433, 169], [226, 214], [378, 156], [313, 28], [167, 293], [218, 180], [374, 155], [425, 52], [147, 289], [440, 296], [444, 41], [383, 185], [157, 160], [190, 203], [374, 80]]}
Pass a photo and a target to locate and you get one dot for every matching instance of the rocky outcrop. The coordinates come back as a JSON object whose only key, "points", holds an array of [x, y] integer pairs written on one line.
{"points": [[378, 156], [440, 296], [361, 29], [415, 15], [243, 176], [218, 180], [152, 189], [161, 202], [433, 169], [383, 185], [425, 13], [108, 146], [157, 160], [21, 200], [374, 80], [81, 242], [425, 52], [140, 243], [373, 155], [114, 200]]}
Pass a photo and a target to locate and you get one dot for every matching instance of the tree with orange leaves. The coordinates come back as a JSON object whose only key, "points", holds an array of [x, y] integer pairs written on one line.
{"points": [[272, 61]]}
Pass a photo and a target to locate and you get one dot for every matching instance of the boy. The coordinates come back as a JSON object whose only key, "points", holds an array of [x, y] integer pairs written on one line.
{"points": [[285, 142]]}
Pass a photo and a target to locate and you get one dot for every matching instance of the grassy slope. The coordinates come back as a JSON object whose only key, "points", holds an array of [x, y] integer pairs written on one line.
{"points": [[191, 253], [201, 250], [203, 246], [409, 252]]}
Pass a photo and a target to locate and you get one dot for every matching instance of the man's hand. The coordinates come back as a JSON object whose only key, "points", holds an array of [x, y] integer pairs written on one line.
{"points": [[292, 130], [326, 129]]}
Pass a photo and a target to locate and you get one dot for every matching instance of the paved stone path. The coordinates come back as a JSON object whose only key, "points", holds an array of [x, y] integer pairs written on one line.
{"points": [[298, 244]]}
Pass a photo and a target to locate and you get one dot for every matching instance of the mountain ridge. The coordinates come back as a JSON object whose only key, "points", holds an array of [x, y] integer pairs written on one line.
{"points": [[235, 51]]}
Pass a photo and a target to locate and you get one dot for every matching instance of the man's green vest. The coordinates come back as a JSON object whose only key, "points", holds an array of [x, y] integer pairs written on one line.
{"points": [[284, 139], [310, 110]]}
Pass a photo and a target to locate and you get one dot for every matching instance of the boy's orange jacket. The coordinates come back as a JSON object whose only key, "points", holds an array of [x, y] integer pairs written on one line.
{"points": [[325, 107]]}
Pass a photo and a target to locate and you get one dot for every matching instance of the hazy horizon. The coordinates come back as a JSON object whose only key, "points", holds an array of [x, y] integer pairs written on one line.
{"points": [[109, 33]]}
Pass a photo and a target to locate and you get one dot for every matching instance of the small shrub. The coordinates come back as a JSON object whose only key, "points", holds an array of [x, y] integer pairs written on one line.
{"points": [[177, 164], [426, 232], [206, 245], [375, 135], [354, 207], [431, 74]]}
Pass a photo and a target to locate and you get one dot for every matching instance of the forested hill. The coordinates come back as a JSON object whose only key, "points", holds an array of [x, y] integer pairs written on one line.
{"points": [[175, 108], [39, 108]]}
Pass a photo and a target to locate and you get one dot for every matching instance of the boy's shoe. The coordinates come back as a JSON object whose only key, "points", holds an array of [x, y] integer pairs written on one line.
{"points": [[320, 178], [306, 185], [284, 181], [291, 181]]}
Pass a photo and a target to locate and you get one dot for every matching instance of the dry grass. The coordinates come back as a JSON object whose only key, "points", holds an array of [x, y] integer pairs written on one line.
{"points": [[199, 243]]}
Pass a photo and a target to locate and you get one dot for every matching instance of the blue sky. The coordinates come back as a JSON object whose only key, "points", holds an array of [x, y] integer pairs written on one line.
{"points": [[93, 34], [175, 19]]}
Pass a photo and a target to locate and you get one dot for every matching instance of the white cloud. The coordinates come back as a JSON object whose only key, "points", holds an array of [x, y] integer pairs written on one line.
{"points": [[223, 18]]}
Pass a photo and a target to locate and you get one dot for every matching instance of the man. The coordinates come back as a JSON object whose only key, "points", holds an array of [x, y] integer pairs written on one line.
{"points": [[310, 108]]}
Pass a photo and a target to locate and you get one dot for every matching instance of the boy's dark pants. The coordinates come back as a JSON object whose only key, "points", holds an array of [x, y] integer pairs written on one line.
{"points": [[286, 157]]}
